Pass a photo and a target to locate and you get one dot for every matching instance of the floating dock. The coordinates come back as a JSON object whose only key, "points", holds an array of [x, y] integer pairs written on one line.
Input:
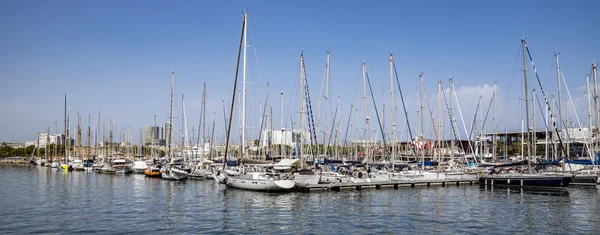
{"points": [[384, 184]]}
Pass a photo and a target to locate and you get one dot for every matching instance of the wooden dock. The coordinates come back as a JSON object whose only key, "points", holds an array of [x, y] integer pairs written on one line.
{"points": [[384, 184]]}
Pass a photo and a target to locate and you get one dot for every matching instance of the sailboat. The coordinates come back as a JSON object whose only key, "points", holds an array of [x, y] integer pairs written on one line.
{"points": [[257, 180], [174, 169], [65, 165], [554, 180]]}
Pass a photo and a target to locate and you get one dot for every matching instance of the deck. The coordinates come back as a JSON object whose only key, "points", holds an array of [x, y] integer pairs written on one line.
{"points": [[384, 184]]}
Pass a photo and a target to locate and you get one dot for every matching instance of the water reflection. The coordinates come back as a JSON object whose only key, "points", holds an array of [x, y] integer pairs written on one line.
{"points": [[56, 201]]}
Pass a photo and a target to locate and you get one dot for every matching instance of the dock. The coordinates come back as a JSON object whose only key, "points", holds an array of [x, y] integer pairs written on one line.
{"points": [[383, 184]]}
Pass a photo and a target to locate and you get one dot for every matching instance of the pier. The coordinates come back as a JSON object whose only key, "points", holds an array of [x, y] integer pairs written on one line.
{"points": [[384, 184]]}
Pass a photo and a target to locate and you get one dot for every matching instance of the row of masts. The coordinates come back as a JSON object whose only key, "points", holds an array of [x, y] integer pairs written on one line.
{"points": [[330, 127]]}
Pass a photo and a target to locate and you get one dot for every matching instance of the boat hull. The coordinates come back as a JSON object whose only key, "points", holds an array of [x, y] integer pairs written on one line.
{"points": [[260, 184], [138, 170], [152, 173], [174, 174], [303, 180]]}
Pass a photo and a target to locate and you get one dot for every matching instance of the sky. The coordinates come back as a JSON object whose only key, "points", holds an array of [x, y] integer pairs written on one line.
{"points": [[116, 58]]}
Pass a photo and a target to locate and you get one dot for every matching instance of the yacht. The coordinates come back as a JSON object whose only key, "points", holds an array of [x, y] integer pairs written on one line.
{"points": [[258, 181], [121, 166], [202, 170], [78, 165], [139, 167], [175, 170]]}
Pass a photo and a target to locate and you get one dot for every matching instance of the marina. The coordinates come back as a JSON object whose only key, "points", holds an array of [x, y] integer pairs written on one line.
{"points": [[360, 118]]}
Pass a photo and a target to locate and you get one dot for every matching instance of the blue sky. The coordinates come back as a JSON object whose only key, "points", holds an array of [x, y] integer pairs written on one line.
{"points": [[117, 56]]}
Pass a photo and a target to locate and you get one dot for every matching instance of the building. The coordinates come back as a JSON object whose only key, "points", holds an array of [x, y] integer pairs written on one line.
{"points": [[284, 137], [151, 135], [43, 140]]}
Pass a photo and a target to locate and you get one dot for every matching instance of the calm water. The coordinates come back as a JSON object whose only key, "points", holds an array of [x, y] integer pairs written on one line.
{"points": [[43, 200]]}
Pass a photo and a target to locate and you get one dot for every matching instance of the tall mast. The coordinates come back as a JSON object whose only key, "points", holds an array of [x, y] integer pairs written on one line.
{"points": [[36, 148], [203, 118], [56, 139], [393, 111], [66, 131], [440, 122], [587, 83], [228, 131], [366, 110], [281, 143], [596, 114], [47, 143], [97, 139], [450, 88], [554, 133], [480, 147], [422, 120], [78, 134], [89, 140], [494, 144], [184, 135], [170, 124], [526, 138], [301, 126], [335, 137], [560, 109], [533, 129], [244, 89], [153, 137], [546, 132], [326, 100]]}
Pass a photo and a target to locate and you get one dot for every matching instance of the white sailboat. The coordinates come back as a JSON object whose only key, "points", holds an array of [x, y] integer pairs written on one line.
{"points": [[174, 170], [259, 181]]}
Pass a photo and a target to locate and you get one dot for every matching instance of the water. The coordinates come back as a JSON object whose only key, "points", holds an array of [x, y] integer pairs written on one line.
{"points": [[43, 200]]}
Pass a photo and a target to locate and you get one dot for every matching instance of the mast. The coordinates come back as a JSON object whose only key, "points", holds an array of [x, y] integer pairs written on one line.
{"points": [[366, 110], [152, 151], [440, 122], [494, 144], [554, 133], [566, 130], [526, 103], [47, 143], [212, 135], [244, 89], [78, 134], [170, 123], [97, 139], [393, 111], [56, 139], [36, 147], [184, 135], [66, 131], [589, 101], [89, 140], [326, 100], [450, 88], [480, 147], [301, 104], [335, 137], [596, 114], [228, 132], [534, 128], [422, 121], [203, 118], [281, 143], [546, 133], [560, 109]]}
